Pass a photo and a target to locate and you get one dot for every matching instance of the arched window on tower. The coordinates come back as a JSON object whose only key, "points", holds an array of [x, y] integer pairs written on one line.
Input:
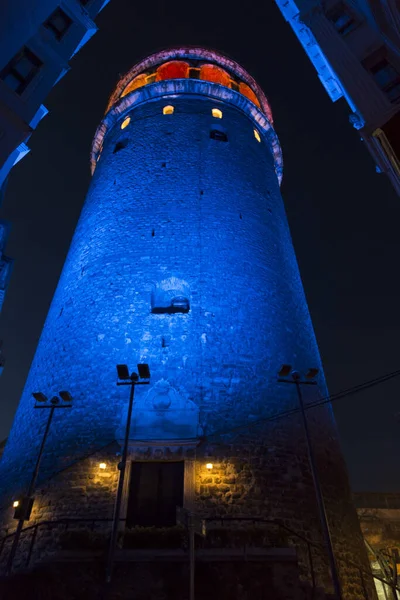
{"points": [[215, 75], [248, 92], [136, 83], [170, 296], [174, 69]]}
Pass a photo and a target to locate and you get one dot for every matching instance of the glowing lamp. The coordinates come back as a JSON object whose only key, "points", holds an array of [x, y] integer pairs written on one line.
{"points": [[15, 503], [216, 113], [209, 466], [168, 110], [257, 135], [125, 122], [102, 466]]}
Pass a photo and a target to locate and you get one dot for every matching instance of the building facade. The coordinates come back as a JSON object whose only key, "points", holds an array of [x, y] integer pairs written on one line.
{"points": [[354, 46], [182, 259], [379, 515], [37, 39]]}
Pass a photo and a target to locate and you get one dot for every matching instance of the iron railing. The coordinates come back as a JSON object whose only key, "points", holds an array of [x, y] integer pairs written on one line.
{"points": [[309, 545]]}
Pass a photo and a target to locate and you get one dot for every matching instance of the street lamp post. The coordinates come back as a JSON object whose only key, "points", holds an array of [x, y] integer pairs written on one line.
{"points": [[287, 375], [23, 511], [124, 378]]}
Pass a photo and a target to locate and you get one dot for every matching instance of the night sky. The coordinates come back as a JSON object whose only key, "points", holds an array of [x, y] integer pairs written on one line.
{"points": [[344, 217]]}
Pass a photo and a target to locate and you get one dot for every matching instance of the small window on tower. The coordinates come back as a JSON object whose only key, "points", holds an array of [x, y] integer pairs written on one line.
{"points": [[125, 122], [218, 136], [257, 135], [59, 23], [120, 146], [216, 113], [168, 110]]}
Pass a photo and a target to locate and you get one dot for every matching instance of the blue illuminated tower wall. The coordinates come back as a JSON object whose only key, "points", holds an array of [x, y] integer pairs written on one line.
{"points": [[182, 258]]}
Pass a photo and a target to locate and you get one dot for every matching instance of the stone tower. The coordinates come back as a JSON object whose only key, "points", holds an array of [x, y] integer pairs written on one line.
{"points": [[182, 259]]}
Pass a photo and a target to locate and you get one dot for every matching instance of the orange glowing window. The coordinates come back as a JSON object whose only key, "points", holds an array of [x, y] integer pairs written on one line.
{"points": [[174, 69], [257, 135], [168, 110], [216, 113], [248, 92], [215, 74], [138, 82]]}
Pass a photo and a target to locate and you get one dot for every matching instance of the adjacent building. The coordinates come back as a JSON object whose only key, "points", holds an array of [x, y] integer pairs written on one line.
{"points": [[37, 39], [354, 46]]}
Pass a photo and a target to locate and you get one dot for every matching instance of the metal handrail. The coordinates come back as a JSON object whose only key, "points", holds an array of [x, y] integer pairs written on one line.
{"points": [[278, 522], [35, 527]]}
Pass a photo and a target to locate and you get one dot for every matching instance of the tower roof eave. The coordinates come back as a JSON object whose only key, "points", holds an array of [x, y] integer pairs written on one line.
{"points": [[194, 53]]}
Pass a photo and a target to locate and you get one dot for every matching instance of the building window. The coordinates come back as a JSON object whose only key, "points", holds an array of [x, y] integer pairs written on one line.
{"points": [[216, 113], [125, 122], [219, 136], [385, 75], [342, 18], [21, 70], [59, 23], [387, 78], [168, 110], [257, 135]]}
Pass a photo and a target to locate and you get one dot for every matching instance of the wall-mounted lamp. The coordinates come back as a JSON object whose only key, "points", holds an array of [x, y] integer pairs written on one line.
{"points": [[102, 466], [216, 113], [209, 466], [15, 503]]}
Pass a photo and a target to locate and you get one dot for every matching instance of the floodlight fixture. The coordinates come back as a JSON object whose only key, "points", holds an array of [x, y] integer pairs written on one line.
{"points": [[123, 372], [65, 396], [39, 397], [285, 370], [144, 371], [15, 503], [55, 400], [312, 373]]}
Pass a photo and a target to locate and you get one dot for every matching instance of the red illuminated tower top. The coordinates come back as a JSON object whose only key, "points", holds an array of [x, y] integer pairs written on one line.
{"points": [[199, 67]]}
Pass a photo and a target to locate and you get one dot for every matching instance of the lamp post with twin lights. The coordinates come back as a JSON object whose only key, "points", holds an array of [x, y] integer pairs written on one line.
{"points": [[124, 378], [23, 507], [287, 375]]}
